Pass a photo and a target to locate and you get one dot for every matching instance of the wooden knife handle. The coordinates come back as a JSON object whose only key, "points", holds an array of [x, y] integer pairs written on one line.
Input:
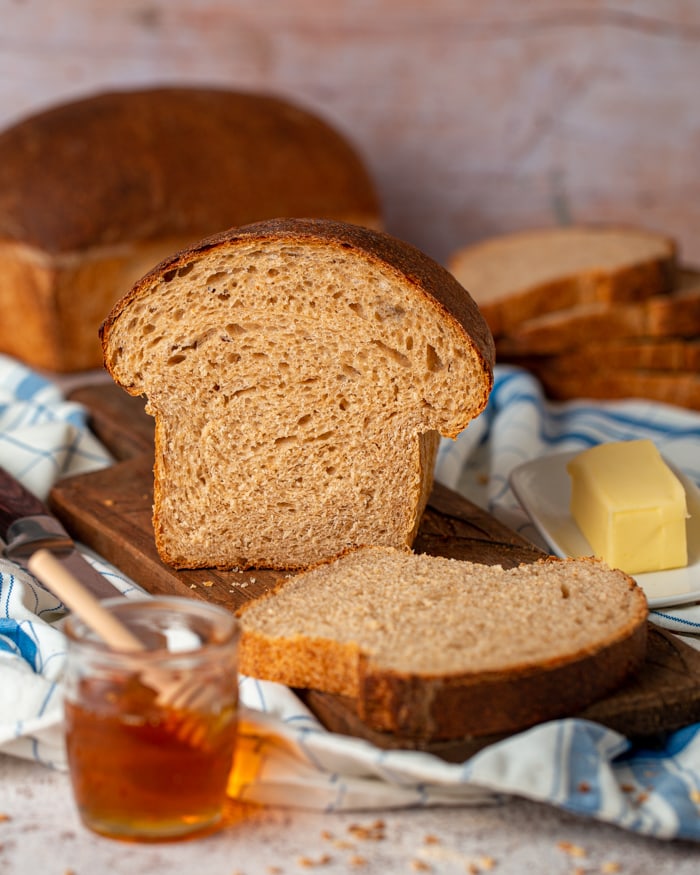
{"points": [[16, 502]]}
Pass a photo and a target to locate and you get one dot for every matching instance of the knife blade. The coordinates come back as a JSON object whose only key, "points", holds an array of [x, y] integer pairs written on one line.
{"points": [[26, 524]]}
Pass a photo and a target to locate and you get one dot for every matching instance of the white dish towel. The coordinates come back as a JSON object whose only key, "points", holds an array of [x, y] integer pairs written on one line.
{"points": [[286, 757]]}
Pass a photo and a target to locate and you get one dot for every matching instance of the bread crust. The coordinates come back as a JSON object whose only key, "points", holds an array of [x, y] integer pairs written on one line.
{"points": [[429, 280], [95, 192], [171, 162], [631, 281], [426, 291], [494, 702], [453, 704]]}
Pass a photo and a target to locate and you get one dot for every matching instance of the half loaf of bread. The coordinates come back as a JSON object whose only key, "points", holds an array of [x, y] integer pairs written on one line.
{"points": [[300, 373], [440, 648], [96, 191], [519, 276]]}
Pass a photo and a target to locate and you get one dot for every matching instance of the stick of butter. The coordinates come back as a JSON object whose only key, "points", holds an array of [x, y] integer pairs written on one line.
{"points": [[630, 506]]}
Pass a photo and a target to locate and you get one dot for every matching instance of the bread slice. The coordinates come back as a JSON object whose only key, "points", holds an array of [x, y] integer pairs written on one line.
{"points": [[676, 314], [440, 648], [521, 276], [299, 372], [96, 191], [678, 387], [632, 354]]}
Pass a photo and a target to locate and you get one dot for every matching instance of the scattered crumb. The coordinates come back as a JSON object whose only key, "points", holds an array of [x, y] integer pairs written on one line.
{"points": [[274, 870], [193, 586], [695, 796], [357, 860], [627, 788], [486, 863], [4, 818], [584, 787], [327, 835], [420, 866], [610, 867], [374, 832], [253, 579], [343, 845], [431, 840], [309, 862], [108, 502], [571, 849], [207, 583], [641, 798]]}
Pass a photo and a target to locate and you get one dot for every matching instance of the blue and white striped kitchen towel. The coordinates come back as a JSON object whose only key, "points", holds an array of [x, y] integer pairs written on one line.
{"points": [[286, 757]]}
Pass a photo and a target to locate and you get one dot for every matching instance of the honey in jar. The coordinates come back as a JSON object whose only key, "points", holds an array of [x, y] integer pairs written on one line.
{"points": [[146, 765]]}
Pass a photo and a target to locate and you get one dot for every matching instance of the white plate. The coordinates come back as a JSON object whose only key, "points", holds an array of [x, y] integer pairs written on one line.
{"points": [[543, 487]]}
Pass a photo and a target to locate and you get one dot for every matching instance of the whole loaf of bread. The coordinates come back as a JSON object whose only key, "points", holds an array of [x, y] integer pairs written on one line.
{"points": [[94, 192], [300, 373]]}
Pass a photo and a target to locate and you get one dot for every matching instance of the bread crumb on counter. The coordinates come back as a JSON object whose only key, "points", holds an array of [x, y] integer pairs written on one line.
{"points": [[374, 832], [310, 862], [571, 849]]}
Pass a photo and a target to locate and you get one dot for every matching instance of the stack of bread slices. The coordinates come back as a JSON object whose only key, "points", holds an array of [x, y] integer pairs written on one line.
{"points": [[593, 312]]}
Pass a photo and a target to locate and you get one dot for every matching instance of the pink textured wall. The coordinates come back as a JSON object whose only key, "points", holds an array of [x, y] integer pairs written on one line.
{"points": [[474, 117]]}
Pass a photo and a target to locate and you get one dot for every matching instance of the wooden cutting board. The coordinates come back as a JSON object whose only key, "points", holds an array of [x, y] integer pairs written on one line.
{"points": [[110, 511]]}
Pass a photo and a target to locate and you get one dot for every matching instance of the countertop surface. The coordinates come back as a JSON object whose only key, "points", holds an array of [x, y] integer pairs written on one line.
{"points": [[40, 831]]}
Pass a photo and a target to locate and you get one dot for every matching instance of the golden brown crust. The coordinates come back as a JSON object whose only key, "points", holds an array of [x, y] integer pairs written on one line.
{"points": [[171, 162], [649, 275], [428, 278], [456, 704], [494, 702], [95, 192]]}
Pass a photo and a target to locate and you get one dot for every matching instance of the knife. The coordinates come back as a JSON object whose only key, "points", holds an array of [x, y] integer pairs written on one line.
{"points": [[26, 524]]}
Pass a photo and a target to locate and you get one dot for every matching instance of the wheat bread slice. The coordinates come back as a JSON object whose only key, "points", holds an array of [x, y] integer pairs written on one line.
{"points": [[520, 276], [680, 388], [441, 648], [663, 354], [676, 314], [300, 373]]}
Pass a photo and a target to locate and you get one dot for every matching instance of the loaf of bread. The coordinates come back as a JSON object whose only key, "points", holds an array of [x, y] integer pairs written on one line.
{"points": [[93, 193], [520, 276], [440, 648], [300, 373]]}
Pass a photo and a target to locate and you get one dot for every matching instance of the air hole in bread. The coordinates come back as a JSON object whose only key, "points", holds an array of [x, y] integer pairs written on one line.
{"points": [[177, 359], [185, 269], [393, 354], [433, 361]]}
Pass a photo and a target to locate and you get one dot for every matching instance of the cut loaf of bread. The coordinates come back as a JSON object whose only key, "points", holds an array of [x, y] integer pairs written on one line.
{"points": [[94, 192], [300, 373], [439, 648], [523, 275]]}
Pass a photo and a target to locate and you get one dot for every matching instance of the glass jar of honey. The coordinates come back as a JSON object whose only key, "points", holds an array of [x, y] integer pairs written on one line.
{"points": [[150, 733]]}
